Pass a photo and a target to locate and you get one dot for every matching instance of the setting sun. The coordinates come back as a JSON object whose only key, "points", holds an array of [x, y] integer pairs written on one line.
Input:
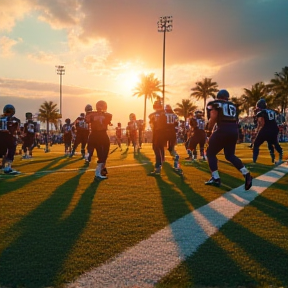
{"points": [[128, 81]]}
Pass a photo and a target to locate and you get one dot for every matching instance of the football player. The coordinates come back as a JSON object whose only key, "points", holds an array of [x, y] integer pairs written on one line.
{"points": [[132, 127], [223, 120], [82, 133], [119, 135], [267, 131], [88, 156], [98, 138], [9, 128], [158, 123], [198, 136], [172, 124], [29, 132], [67, 136], [141, 128]]}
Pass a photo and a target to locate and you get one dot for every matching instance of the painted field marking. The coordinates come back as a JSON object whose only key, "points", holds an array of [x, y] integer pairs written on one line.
{"points": [[147, 262]]}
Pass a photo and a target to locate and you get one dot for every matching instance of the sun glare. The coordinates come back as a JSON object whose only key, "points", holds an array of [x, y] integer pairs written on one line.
{"points": [[128, 81]]}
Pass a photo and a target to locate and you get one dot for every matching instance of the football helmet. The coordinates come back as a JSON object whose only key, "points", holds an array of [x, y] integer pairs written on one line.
{"points": [[9, 109], [157, 105], [67, 121], [198, 114], [168, 108], [132, 117], [101, 106], [88, 108], [261, 104], [28, 115], [223, 94]]}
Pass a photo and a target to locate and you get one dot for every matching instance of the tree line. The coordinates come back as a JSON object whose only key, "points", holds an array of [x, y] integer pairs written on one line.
{"points": [[149, 87], [275, 93]]}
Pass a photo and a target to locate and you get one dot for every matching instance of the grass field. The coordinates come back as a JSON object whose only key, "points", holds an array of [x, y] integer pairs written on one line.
{"points": [[56, 222]]}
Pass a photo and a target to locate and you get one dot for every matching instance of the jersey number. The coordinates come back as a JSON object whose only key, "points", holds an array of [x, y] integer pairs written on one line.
{"points": [[229, 110], [271, 115]]}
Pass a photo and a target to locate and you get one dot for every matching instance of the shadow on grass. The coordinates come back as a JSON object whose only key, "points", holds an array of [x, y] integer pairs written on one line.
{"points": [[238, 257], [35, 257], [124, 154], [194, 199], [261, 263], [276, 210], [257, 168], [8, 186]]}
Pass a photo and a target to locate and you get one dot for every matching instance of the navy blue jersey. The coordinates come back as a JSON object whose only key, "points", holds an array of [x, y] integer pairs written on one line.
{"points": [[67, 129], [197, 123], [171, 121], [227, 112], [10, 124], [81, 124], [158, 120], [30, 127], [99, 120], [270, 118], [3, 123]]}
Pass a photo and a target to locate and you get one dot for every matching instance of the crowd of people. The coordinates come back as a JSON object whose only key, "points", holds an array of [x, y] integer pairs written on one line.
{"points": [[90, 131]]}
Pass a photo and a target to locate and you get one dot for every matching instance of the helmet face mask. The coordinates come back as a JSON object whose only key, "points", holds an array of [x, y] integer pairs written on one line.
{"points": [[9, 109], [223, 94], [101, 106]]}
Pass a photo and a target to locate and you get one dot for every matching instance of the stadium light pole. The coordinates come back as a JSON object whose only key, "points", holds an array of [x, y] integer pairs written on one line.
{"points": [[60, 71], [165, 24]]}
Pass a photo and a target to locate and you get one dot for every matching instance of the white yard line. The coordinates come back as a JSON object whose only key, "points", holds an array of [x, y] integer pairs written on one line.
{"points": [[146, 263]]}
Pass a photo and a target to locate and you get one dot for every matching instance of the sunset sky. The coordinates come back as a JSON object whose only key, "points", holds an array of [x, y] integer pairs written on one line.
{"points": [[105, 45]]}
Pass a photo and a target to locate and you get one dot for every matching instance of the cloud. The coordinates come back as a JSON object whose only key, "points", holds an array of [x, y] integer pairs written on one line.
{"points": [[11, 11], [59, 13], [237, 43], [43, 57], [29, 95], [6, 45]]}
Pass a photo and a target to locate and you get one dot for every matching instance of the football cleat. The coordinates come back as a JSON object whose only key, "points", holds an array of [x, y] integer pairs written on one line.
{"points": [[156, 172], [214, 182], [179, 171], [248, 181], [99, 178], [10, 171]]}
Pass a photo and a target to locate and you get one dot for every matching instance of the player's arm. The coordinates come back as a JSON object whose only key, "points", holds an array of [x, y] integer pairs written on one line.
{"points": [[212, 119], [260, 122]]}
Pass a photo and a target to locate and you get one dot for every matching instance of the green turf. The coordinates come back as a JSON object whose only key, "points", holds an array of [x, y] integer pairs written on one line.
{"points": [[57, 223]]}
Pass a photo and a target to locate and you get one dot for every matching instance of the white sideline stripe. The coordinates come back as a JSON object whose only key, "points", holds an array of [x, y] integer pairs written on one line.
{"points": [[146, 263]]}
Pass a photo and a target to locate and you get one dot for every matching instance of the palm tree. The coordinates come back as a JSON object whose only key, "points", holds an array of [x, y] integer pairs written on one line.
{"points": [[147, 87], [49, 113], [278, 87], [204, 89], [184, 108], [251, 97], [239, 103]]}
